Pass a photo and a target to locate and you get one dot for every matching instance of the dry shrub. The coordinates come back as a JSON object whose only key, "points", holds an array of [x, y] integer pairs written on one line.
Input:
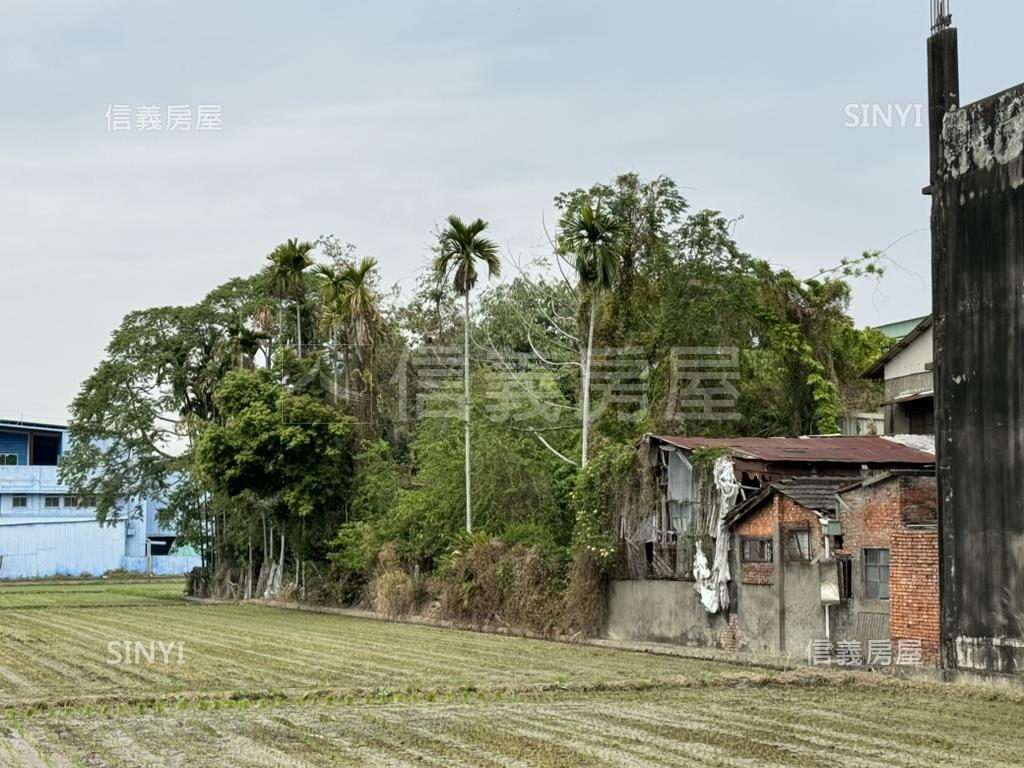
{"points": [[490, 582], [394, 592], [534, 600], [288, 593], [472, 588], [197, 583], [586, 598]]}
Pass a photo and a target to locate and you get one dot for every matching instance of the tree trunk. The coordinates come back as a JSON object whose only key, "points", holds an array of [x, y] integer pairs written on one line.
{"points": [[247, 593], [280, 317], [263, 519], [586, 381], [362, 402], [279, 581], [298, 326], [337, 344], [465, 417]]}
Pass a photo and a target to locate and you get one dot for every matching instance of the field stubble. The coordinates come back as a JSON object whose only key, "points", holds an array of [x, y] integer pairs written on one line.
{"points": [[260, 687]]}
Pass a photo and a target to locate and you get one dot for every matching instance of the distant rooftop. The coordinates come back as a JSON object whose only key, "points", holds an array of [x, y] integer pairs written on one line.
{"points": [[901, 328], [18, 424]]}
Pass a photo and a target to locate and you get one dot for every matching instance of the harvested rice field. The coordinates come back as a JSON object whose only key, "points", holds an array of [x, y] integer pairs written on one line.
{"points": [[247, 685]]}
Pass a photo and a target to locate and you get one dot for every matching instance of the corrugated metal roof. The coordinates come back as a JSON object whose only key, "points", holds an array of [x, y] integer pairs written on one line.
{"points": [[16, 424], [924, 443], [838, 449], [901, 328]]}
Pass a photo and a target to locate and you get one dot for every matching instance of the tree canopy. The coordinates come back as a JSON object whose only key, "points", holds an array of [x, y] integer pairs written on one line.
{"points": [[277, 445]]}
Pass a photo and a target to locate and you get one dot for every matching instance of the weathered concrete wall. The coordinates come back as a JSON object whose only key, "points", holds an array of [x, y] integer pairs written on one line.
{"points": [[162, 565], [661, 611], [779, 603], [978, 279], [803, 614], [776, 606]]}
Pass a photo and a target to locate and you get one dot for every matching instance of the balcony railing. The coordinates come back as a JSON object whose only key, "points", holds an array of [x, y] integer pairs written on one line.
{"points": [[29, 479]]}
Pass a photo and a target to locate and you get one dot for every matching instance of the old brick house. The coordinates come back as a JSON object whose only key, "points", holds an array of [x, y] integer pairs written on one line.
{"points": [[768, 579], [778, 540], [887, 551], [854, 563]]}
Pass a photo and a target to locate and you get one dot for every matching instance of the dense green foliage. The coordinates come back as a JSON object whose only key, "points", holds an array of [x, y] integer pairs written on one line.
{"points": [[288, 430]]}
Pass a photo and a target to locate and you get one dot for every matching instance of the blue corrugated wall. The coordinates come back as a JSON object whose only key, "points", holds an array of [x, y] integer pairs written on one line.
{"points": [[13, 442]]}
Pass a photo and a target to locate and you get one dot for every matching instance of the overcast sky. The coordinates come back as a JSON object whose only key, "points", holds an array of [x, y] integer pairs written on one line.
{"points": [[373, 121]]}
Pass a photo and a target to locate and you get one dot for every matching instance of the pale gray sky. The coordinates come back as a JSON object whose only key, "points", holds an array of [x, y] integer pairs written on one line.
{"points": [[375, 120]]}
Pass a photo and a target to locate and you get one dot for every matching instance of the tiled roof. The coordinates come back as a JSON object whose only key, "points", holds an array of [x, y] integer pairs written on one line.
{"points": [[817, 493], [814, 493]]}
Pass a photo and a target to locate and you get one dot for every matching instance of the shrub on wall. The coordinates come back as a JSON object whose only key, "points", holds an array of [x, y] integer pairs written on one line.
{"points": [[600, 489]]}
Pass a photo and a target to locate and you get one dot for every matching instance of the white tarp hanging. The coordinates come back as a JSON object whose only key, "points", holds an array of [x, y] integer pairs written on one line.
{"points": [[713, 582]]}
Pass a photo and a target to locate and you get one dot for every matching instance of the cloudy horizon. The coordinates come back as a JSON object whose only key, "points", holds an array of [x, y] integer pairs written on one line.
{"points": [[374, 123]]}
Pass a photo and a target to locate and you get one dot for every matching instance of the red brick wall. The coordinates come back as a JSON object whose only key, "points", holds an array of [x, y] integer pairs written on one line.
{"points": [[758, 524], [914, 568], [732, 638], [869, 517], [761, 524], [889, 515], [791, 513], [914, 591]]}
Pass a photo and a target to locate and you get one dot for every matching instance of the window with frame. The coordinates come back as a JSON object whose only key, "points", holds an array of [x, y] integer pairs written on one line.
{"points": [[8, 459], [876, 573], [845, 565], [798, 544], [50, 502], [70, 501], [19, 502], [756, 549]]}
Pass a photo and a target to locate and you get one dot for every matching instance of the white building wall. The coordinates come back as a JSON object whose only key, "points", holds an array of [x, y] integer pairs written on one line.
{"points": [[37, 541], [36, 547], [914, 359]]}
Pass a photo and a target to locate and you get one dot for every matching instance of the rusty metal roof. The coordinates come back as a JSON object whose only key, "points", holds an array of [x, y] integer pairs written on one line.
{"points": [[838, 450]]}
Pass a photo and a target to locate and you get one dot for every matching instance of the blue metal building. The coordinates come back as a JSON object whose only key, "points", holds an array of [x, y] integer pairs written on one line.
{"points": [[46, 531]]}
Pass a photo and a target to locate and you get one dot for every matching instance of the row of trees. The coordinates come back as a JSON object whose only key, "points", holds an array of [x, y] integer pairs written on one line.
{"points": [[274, 418]]}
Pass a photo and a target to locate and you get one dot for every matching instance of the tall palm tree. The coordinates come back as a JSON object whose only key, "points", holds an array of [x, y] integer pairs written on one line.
{"points": [[460, 246], [332, 318], [350, 301], [246, 342], [288, 263], [591, 237]]}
